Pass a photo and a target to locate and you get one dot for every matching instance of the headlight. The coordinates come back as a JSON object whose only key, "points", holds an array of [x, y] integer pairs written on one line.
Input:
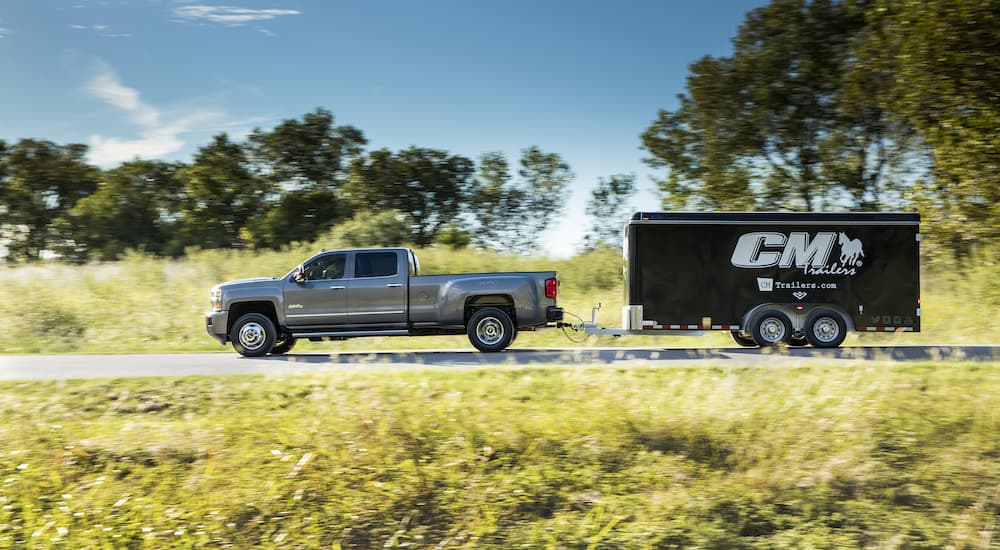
{"points": [[215, 298]]}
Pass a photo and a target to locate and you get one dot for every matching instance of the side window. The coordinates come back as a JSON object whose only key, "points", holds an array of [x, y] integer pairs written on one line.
{"points": [[330, 266], [375, 264]]}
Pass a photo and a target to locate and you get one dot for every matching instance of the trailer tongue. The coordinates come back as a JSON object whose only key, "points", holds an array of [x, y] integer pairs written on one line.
{"points": [[770, 278]]}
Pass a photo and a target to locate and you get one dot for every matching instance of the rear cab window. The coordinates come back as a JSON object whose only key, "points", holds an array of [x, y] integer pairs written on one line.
{"points": [[375, 264]]}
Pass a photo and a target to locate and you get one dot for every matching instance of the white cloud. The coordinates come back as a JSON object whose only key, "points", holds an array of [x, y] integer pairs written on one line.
{"points": [[103, 30], [156, 139], [4, 32], [106, 86], [229, 15]]}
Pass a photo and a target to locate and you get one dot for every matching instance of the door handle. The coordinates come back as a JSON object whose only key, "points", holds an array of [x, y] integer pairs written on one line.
{"points": [[337, 287], [394, 285]]}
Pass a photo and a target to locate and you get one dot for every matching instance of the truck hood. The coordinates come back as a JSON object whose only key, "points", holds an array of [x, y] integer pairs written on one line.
{"points": [[245, 283]]}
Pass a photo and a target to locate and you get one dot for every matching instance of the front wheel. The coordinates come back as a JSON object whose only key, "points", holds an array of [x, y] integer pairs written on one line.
{"points": [[490, 329], [253, 335]]}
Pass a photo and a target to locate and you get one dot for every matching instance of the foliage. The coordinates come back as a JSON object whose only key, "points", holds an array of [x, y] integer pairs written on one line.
{"points": [[546, 183], [690, 457], [136, 206], [608, 208], [779, 124], [387, 228], [494, 200], [429, 185], [511, 214], [39, 182], [940, 56], [305, 162], [221, 194]]}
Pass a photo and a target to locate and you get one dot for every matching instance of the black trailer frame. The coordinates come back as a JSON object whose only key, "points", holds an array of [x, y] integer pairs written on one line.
{"points": [[770, 277]]}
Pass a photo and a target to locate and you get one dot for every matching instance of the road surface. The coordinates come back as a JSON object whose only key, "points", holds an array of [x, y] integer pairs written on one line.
{"points": [[55, 367]]}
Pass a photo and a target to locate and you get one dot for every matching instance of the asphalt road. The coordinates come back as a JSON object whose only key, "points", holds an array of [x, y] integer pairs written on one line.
{"points": [[56, 367]]}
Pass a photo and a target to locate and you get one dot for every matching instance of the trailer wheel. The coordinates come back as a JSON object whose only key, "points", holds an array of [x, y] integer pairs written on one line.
{"points": [[744, 341], [771, 328], [490, 329], [825, 328], [253, 335]]}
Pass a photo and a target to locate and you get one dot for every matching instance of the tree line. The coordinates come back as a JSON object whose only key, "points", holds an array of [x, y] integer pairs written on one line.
{"points": [[289, 184], [823, 105]]}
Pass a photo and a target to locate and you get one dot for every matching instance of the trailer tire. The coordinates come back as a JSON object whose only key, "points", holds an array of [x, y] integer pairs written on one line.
{"points": [[253, 335], [741, 340], [771, 328], [490, 329], [825, 328]]}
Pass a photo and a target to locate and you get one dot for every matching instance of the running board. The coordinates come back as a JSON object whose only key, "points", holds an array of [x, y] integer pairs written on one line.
{"points": [[350, 333]]}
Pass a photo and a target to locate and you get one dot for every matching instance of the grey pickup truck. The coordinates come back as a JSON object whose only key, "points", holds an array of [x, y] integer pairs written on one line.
{"points": [[378, 292]]}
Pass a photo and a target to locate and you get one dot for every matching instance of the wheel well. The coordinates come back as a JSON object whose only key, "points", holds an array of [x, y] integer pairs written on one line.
{"points": [[242, 308], [500, 301]]}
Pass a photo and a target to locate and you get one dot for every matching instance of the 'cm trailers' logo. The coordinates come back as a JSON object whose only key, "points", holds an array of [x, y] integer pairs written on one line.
{"points": [[766, 249]]}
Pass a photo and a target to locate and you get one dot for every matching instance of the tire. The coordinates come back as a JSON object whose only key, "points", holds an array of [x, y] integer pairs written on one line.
{"points": [[744, 341], [825, 328], [490, 329], [283, 344], [771, 328], [253, 335]]}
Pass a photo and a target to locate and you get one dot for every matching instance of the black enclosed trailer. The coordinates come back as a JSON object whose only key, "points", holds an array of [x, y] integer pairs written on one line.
{"points": [[771, 277]]}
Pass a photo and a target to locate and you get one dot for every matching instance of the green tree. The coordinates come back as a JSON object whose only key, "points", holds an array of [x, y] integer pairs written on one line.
{"points": [[941, 56], [545, 188], [608, 209], [221, 195], [306, 162], [512, 214], [779, 124], [430, 186], [494, 202], [135, 206], [39, 182]]}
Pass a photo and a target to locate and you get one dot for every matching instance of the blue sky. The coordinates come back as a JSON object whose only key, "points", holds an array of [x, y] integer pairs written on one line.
{"points": [[158, 78]]}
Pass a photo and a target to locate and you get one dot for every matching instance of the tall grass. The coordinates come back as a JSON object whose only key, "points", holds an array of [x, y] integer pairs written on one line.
{"points": [[871, 456], [147, 304]]}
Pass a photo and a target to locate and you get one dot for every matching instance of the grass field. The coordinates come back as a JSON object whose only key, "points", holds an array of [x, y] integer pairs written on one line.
{"points": [[143, 304], [865, 456]]}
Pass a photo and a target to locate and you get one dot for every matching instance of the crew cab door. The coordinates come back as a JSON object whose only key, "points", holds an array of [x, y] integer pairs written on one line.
{"points": [[321, 298], [377, 294]]}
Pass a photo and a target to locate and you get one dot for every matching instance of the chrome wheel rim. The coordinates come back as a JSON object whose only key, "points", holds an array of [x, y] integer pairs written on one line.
{"points": [[826, 330], [772, 330], [490, 331], [252, 336]]}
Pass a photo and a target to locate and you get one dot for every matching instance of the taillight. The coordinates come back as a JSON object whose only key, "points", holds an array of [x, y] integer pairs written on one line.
{"points": [[551, 287]]}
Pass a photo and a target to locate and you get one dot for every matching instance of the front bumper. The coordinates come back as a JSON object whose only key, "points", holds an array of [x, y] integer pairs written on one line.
{"points": [[216, 323]]}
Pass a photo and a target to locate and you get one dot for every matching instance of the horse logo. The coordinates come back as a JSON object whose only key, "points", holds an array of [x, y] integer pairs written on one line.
{"points": [[851, 250]]}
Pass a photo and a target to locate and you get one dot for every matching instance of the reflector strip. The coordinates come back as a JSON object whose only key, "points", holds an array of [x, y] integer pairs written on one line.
{"points": [[653, 325], [885, 329]]}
